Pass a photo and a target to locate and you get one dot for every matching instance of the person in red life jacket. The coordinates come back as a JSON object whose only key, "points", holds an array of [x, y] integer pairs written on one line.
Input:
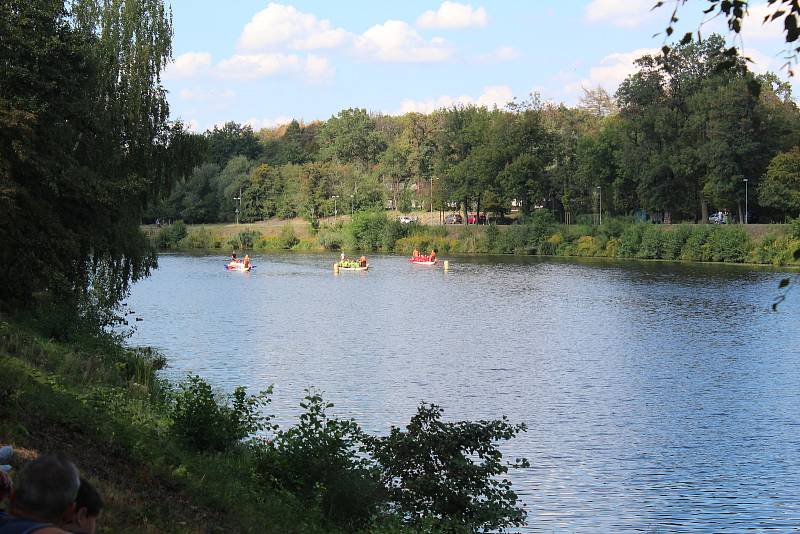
{"points": [[415, 254], [362, 261], [246, 261]]}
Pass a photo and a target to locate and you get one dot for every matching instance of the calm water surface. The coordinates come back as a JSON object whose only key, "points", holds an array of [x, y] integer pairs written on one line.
{"points": [[658, 397]]}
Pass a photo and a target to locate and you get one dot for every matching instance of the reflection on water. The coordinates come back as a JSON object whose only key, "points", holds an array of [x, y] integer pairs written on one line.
{"points": [[658, 397]]}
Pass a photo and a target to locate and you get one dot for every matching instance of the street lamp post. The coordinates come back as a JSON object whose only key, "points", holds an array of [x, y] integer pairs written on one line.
{"points": [[745, 200], [352, 209], [238, 200], [431, 222], [600, 190], [334, 197]]}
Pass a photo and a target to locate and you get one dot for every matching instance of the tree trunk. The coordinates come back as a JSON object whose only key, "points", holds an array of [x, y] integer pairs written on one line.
{"points": [[703, 211], [478, 209], [464, 222]]}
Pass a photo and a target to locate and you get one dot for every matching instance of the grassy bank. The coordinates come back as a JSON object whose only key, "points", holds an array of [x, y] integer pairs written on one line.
{"points": [[537, 235], [185, 458]]}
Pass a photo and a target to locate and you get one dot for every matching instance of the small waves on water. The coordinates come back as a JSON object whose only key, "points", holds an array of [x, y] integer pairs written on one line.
{"points": [[658, 397]]}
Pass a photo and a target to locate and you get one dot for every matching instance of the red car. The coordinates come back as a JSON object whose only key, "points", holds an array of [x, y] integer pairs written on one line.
{"points": [[472, 219]]}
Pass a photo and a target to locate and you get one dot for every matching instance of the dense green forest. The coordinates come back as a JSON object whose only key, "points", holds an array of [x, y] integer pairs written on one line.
{"points": [[675, 143]]}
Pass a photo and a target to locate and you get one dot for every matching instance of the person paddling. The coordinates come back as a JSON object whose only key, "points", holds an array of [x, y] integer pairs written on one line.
{"points": [[362, 261], [432, 256], [415, 254], [246, 261]]}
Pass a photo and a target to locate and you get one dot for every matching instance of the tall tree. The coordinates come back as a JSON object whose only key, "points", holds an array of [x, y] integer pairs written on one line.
{"points": [[84, 122]]}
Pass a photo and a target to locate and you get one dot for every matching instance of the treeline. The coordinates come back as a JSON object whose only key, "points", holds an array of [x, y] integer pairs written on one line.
{"points": [[85, 142], [676, 142]]}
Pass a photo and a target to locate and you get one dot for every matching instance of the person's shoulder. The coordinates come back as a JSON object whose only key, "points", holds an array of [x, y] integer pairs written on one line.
{"points": [[13, 525]]}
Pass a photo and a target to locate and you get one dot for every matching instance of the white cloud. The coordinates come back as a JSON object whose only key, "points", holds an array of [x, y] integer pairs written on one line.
{"points": [[282, 25], [255, 66], [453, 15], [188, 65], [499, 55], [613, 69], [207, 96], [493, 95], [396, 41], [257, 124], [622, 13], [754, 27], [318, 69]]}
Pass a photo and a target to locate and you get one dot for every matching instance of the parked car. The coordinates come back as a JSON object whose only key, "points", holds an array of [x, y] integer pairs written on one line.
{"points": [[406, 219], [480, 219], [717, 218], [453, 218]]}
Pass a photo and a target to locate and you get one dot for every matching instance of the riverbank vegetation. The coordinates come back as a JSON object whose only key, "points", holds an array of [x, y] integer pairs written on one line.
{"points": [[222, 454], [535, 235]]}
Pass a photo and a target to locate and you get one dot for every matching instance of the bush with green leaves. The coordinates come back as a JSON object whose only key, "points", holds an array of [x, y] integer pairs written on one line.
{"points": [[586, 246], [392, 232], [472, 241], [794, 228], [673, 241], [630, 241], [727, 244], [169, 236], [651, 245], [449, 472], [245, 239], [693, 249], [207, 422], [331, 238], [200, 238], [367, 230], [288, 237], [614, 226], [492, 236], [320, 460]]}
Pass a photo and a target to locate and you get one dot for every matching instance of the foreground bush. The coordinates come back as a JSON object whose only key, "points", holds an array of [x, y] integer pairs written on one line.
{"points": [[207, 423], [321, 475], [449, 470]]}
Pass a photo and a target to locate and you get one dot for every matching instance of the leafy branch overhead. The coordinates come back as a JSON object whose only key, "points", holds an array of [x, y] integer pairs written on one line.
{"points": [[734, 13]]}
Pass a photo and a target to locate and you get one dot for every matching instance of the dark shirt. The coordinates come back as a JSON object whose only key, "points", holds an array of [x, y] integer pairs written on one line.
{"points": [[19, 525]]}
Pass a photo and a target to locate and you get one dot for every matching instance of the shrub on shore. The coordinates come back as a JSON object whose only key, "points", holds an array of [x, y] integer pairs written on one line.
{"points": [[321, 475]]}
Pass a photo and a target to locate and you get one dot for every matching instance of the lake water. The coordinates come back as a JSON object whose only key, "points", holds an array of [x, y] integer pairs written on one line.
{"points": [[658, 397]]}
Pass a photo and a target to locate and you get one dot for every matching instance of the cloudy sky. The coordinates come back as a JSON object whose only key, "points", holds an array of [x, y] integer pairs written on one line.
{"points": [[263, 63]]}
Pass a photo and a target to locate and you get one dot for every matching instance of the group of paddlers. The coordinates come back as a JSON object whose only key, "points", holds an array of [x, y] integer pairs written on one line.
{"points": [[416, 256], [344, 261], [245, 262]]}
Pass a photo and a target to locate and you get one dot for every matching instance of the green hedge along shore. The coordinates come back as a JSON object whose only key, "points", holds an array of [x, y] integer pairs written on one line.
{"points": [[536, 235], [182, 457]]}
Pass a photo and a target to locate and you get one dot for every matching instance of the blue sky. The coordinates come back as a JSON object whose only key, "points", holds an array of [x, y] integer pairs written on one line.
{"points": [[264, 63]]}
